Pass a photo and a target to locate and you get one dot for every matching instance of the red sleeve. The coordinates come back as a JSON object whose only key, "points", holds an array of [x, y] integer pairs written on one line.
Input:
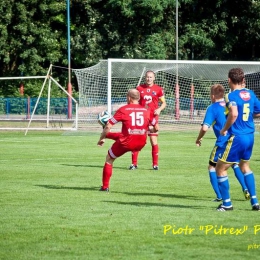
{"points": [[117, 117], [161, 92]]}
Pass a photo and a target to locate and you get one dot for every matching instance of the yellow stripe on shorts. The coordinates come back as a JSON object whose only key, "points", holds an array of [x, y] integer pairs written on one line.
{"points": [[227, 150]]}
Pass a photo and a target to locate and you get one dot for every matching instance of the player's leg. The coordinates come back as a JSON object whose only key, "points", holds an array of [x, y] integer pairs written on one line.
{"points": [[248, 173], [113, 135], [214, 181], [213, 158], [107, 173], [134, 164], [155, 150], [231, 152], [223, 184], [153, 134], [241, 179], [250, 182], [114, 152]]}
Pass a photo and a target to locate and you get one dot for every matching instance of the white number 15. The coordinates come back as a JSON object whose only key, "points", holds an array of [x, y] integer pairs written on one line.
{"points": [[137, 118]]}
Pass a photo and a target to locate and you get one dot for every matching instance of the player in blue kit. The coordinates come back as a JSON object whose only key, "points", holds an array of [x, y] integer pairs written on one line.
{"points": [[242, 104], [216, 117]]}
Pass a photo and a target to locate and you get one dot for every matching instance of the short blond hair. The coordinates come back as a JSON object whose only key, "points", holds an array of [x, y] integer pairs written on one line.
{"points": [[217, 90], [133, 94]]}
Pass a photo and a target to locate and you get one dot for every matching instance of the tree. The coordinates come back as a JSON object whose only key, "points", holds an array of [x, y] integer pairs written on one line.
{"points": [[33, 33], [220, 30], [31, 37]]}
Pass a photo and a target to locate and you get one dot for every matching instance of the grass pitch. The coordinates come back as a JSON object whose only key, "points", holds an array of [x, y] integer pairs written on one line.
{"points": [[51, 207]]}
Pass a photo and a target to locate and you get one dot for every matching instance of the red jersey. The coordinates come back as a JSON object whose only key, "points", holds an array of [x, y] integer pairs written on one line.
{"points": [[149, 96], [135, 121]]}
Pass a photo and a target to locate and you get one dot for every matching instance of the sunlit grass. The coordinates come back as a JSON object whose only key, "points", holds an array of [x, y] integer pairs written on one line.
{"points": [[51, 207]]}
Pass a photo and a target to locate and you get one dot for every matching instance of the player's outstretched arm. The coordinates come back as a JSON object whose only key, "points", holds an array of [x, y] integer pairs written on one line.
{"points": [[102, 138]]}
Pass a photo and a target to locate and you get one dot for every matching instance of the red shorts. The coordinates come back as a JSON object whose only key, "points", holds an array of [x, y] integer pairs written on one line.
{"points": [[154, 119], [118, 149]]}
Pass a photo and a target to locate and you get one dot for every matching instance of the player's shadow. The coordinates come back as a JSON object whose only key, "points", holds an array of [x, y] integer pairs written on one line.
{"points": [[168, 195], [174, 196], [149, 204], [92, 166], [60, 187]]}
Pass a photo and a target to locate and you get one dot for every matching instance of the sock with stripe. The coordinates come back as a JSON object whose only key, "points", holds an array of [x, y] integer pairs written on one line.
{"points": [[223, 185], [240, 176], [250, 183]]}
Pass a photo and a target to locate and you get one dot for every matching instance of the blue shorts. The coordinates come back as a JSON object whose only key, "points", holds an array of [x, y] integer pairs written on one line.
{"points": [[237, 148], [216, 151]]}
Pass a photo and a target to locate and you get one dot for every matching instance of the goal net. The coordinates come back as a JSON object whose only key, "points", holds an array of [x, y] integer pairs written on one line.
{"points": [[41, 113], [186, 86]]}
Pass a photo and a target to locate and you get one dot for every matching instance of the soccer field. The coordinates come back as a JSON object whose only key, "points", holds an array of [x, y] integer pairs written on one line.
{"points": [[51, 206]]}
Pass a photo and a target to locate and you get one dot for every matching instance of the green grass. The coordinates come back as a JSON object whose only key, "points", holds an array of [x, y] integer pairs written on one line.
{"points": [[51, 207]]}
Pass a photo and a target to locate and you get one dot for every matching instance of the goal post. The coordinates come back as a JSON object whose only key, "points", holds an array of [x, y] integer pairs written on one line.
{"points": [[186, 85], [47, 113]]}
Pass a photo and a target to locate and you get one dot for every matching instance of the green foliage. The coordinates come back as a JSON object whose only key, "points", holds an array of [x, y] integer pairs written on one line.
{"points": [[33, 34]]}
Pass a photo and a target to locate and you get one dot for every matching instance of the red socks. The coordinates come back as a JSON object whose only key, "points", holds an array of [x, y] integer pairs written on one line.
{"points": [[155, 154], [107, 173], [134, 157]]}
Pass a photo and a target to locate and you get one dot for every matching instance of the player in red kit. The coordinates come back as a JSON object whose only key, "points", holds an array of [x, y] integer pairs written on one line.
{"points": [[135, 124], [150, 97]]}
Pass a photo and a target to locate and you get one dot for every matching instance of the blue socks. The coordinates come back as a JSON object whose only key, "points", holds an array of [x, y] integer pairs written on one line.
{"points": [[250, 183], [214, 182], [240, 176], [223, 185]]}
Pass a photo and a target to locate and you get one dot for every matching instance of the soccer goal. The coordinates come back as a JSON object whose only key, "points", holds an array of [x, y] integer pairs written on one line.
{"points": [[186, 85], [39, 113]]}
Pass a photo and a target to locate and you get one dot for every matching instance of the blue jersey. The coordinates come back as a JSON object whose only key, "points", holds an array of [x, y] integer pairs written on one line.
{"points": [[216, 117], [247, 104]]}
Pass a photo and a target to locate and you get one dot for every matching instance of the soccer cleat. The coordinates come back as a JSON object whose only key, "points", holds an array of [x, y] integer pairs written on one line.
{"points": [[217, 200], [102, 189], [246, 194], [156, 168], [221, 207], [133, 167], [256, 207]]}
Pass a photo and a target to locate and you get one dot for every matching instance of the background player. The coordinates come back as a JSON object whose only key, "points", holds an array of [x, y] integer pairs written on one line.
{"points": [[216, 117], [150, 96], [135, 122], [242, 104]]}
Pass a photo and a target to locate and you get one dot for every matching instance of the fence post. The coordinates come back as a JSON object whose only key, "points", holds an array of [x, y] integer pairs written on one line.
{"points": [[7, 107], [192, 101], [28, 108]]}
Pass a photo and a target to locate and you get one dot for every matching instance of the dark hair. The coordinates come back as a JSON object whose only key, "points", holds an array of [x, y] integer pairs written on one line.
{"points": [[236, 75]]}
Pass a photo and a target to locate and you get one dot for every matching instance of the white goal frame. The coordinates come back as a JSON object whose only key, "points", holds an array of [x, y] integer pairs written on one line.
{"points": [[50, 80], [99, 81]]}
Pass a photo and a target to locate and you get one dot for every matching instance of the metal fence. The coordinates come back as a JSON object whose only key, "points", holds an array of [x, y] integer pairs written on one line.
{"points": [[10, 107]]}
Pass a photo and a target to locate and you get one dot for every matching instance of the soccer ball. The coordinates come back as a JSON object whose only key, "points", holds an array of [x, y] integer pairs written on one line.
{"points": [[103, 118]]}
